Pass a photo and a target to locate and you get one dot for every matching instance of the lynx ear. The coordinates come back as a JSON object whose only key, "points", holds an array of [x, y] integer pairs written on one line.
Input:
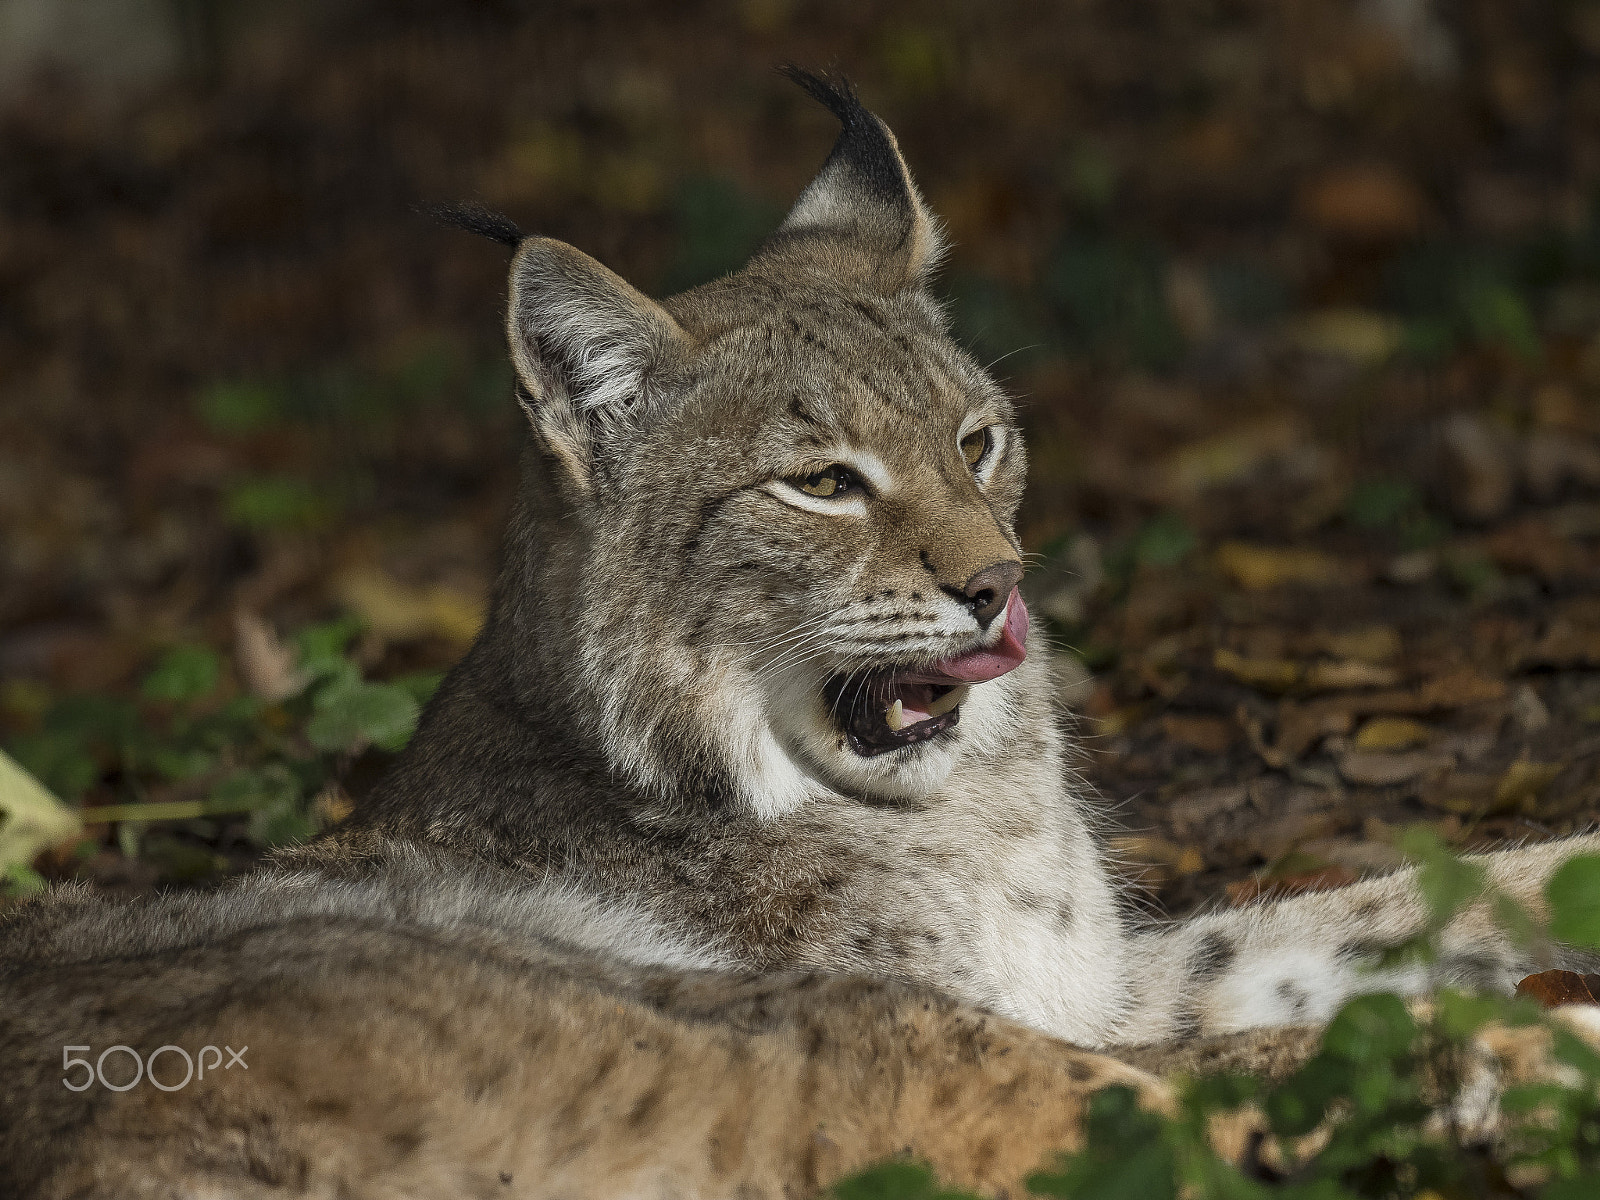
{"points": [[587, 348], [862, 216]]}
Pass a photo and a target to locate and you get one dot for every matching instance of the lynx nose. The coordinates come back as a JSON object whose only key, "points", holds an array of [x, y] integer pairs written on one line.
{"points": [[987, 591]]}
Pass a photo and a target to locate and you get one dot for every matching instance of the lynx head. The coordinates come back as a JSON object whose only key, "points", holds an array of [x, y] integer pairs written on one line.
{"points": [[774, 554]]}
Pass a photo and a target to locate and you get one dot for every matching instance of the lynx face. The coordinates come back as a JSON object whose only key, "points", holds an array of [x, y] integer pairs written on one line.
{"points": [[797, 498]]}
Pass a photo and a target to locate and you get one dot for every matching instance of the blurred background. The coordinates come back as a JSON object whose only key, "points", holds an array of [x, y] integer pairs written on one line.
{"points": [[1301, 299]]}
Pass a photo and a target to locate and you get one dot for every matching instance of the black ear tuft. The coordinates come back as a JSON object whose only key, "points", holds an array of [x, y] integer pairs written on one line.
{"points": [[864, 142], [475, 218]]}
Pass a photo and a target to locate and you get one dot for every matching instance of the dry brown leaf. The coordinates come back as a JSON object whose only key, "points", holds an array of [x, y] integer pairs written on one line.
{"points": [[1392, 733], [1158, 852], [1300, 726], [1383, 768], [1524, 782], [1210, 735], [1479, 474], [1365, 200], [1372, 644], [1554, 988], [268, 668], [1458, 689], [1465, 793], [1565, 643], [398, 612], [1356, 334], [1348, 675], [1231, 456], [1270, 674], [1192, 815], [1257, 568]]}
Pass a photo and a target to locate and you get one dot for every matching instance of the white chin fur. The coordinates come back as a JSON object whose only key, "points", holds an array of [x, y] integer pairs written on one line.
{"points": [[801, 723]]}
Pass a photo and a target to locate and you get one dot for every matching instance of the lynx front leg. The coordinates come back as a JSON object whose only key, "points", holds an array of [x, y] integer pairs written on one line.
{"points": [[1295, 961]]}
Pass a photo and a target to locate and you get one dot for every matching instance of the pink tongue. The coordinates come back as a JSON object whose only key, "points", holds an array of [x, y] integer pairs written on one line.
{"points": [[991, 662]]}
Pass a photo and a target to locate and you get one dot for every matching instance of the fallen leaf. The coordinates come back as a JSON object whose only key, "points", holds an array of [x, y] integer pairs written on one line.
{"points": [[1230, 457], [31, 818], [1555, 988], [1565, 643], [1381, 768], [1257, 568], [1479, 474], [1210, 735], [1465, 793], [1348, 675], [1458, 689], [1373, 644], [1530, 713], [333, 804], [268, 667], [1322, 879], [1392, 733], [1364, 200], [399, 612], [1270, 674], [1192, 815], [1363, 337], [1158, 852], [1533, 546], [1524, 782], [1300, 726]]}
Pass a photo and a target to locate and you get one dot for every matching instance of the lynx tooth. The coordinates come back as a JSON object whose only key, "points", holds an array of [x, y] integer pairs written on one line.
{"points": [[896, 716]]}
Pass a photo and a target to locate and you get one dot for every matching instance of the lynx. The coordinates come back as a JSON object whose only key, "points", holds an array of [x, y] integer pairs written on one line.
{"points": [[741, 850]]}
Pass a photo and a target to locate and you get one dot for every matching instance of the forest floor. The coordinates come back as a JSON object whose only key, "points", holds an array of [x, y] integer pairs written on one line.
{"points": [[1304, 315]]}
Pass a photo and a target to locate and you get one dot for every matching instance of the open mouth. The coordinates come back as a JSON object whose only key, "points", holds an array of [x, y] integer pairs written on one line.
{"points": [[888, 710]]}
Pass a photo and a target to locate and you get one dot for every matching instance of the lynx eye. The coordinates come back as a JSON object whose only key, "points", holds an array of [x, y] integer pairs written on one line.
{"points": [[975, 446], [829, 483]]}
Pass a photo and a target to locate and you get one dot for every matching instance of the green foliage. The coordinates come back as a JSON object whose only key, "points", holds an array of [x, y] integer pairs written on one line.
{"points": [[719, 225], [1165, 540], [897, 1180], [1574, 896], [1369, 1115], [275, 502], [194, 747], [184, 674], [1394, 505], [1109, 295]]}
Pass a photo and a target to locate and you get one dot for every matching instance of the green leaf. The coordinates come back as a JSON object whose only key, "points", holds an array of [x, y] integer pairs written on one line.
{"points": [[62, 761], [895, 1181], [323, 647], [275, 502], [18, 880], [1584, 1187], [1163, 541], [1126, 1158], [242, 406], [1370, 1030], [1499, 315], [1380, 503], [348, 716], [184, 673], [1446, 882], [1574, 896], [420, 686], [1298, 1105]]}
